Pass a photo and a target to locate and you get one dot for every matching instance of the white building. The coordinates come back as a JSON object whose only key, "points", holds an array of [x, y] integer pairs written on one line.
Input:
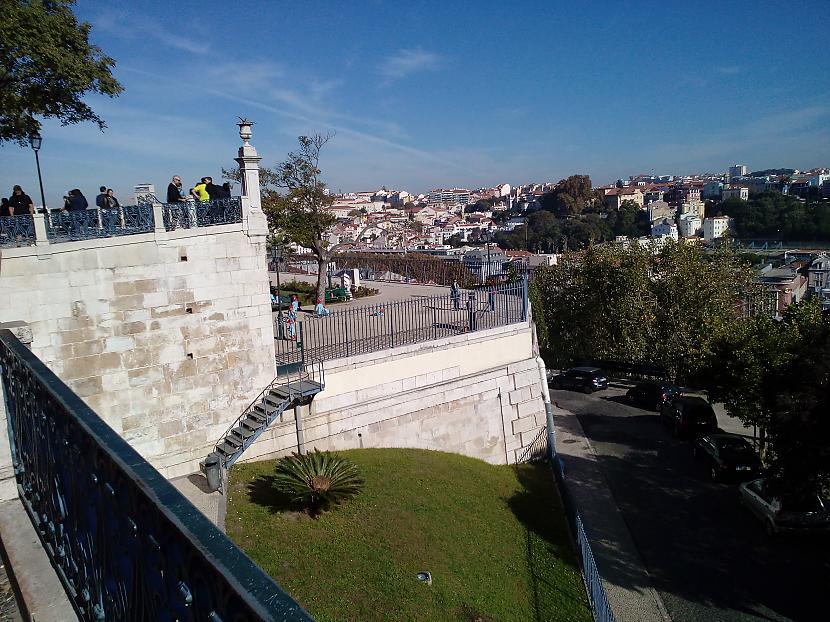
{"points": [[690, 224], [737, 170], [716, 227], [664, 228]]}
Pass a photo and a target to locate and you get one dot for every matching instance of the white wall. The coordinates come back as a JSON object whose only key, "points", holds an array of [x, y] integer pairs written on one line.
{"points": [[478, 394], [167, 336]]}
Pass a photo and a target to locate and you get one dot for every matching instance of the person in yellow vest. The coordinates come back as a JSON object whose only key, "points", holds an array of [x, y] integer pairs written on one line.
{"points": [[200, 192]]}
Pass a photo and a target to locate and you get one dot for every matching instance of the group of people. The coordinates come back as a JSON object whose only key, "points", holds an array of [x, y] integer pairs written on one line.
{"points": [[204, 190], [21, 203], [294, 308]]}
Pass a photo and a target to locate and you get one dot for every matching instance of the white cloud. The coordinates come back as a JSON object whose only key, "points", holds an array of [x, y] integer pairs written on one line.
{"points": [[132, 26], [728, 70], [406, 62]]}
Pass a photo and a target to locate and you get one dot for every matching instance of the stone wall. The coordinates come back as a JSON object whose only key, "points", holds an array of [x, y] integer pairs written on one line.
{"points": [[478, 394], [166, 335]]}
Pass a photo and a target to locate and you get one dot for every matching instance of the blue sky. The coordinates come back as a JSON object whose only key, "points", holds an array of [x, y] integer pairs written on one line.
{"points": [[431, 94]]}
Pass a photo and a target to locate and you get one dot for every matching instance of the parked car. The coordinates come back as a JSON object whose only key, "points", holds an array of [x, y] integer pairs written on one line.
{"points": [[727, 456], [651, 393], [586, 379], [803, 514], [689, 416]]}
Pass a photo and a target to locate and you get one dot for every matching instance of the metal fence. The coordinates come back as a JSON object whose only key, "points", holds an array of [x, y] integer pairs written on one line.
{"points": [[104, 222], [125, 543], [17, 231], [597, 597], [388, 325], [190, 214]]}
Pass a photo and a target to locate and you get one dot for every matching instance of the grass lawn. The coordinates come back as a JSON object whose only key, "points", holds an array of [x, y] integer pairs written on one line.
{"points": [[494, 538]]}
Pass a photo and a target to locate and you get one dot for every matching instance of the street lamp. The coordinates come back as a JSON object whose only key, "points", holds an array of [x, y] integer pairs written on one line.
{"points": [[35, 141], [276, 255]]}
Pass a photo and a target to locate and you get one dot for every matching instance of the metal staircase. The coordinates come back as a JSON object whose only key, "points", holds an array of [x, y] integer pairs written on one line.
{"points": [[295, 385]]}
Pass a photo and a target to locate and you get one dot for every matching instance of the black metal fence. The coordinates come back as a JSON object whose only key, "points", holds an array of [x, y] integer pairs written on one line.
{"points": [[17, 231], [388, 325], [190, 214], [105, 222], [124, 542]]}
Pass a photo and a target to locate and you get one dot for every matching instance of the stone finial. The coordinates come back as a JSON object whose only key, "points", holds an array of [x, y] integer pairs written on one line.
{"points": [[245, 130]]}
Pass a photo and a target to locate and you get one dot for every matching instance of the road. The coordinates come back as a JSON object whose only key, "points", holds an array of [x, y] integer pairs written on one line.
{"points": [[709, 559]]}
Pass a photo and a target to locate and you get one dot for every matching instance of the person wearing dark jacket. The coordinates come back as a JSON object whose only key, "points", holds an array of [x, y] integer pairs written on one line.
{"points": [[77, 201], [215, 192], [6, 208], [101, 199]]}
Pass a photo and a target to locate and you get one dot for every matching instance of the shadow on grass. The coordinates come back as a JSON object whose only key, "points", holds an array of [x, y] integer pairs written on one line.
{"points": [[263, 492], [539, 509]]}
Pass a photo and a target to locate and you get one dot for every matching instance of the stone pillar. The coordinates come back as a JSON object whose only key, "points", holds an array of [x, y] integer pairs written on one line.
{"points": [[252, 215], [158, 218], [40, 229]]}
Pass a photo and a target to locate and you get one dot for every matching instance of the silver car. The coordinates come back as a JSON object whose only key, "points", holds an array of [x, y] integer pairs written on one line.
{"points": [[809, 514]]}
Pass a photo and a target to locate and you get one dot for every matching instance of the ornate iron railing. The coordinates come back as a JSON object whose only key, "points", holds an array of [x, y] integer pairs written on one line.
{"points": [[189, 214], [70, 226], [125, 543], [17, 230]]}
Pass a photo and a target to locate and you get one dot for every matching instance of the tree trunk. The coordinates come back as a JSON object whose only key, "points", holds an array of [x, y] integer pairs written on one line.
{"points": [[322, 278], [322, 283]]}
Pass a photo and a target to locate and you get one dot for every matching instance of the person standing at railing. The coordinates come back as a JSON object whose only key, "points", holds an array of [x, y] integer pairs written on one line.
{"points": [[176, 201], [111, 200], [200, 192], [20, 202], [6, 208], [455, 294], [291, 316], [101, 199], [77, 201]]}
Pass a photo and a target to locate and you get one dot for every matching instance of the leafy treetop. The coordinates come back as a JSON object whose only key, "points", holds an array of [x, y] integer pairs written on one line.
{"points": [[47, 64]]}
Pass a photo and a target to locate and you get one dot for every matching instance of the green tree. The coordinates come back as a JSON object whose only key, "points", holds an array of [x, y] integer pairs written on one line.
{"points": [[775, 375], [47, 65], [573, 195], [666, 307], [300, 212]]}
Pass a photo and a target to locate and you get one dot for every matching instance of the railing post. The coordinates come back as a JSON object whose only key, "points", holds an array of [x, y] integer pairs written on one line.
{"points": [[524, 298], [40, 229], [158, 218]]}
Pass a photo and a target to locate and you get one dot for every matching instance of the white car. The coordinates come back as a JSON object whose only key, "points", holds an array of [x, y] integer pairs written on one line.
{"points": [[810, 514]]}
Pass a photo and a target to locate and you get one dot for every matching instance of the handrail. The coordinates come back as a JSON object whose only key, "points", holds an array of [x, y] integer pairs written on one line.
{"points": [[124, 542], [303, 373], [283, 379]]}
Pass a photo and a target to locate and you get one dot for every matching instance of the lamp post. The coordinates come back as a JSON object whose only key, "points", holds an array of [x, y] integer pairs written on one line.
{"points": [[276, 254], [35, 141]]}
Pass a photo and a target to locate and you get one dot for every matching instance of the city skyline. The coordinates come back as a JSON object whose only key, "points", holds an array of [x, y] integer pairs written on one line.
{"points": [[432, 96]]}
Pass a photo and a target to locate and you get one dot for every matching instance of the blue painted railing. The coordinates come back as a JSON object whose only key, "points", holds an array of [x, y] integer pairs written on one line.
{"points": [[17, 230], [126, 544], [189, 214], [69, 226]]}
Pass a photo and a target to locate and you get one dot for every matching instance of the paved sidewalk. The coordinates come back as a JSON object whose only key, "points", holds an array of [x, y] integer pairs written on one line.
{"points": [[211, 504], [627, 582]]}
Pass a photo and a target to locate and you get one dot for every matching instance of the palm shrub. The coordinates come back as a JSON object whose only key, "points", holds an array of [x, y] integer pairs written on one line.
{"points": [[317, 480]]}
